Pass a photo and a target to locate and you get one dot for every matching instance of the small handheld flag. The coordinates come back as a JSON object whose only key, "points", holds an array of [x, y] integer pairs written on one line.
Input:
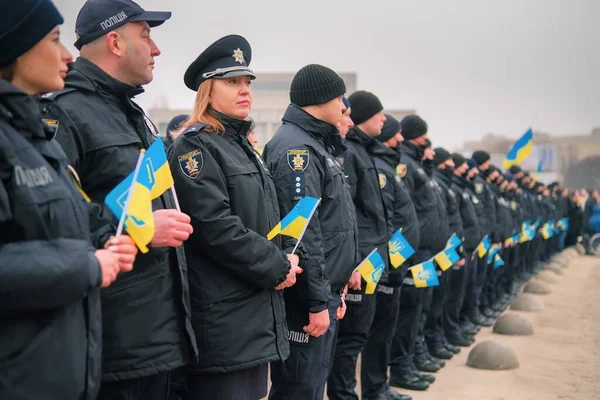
{"points": [[454, 241], [483, 246], [446, 258], [425, 275], [399, 249], [498, 261], [491, 254], [371, 270], [130, 202], [295, 222]]}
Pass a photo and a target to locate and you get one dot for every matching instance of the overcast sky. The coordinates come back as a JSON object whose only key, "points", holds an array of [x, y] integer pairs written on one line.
{"points": [[467, 66]]}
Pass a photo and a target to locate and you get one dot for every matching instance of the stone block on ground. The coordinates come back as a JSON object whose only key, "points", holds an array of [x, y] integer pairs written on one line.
{"points": [[547, 276], [513, 324], [527, 302], [492, 356], [557, 269], [536, 287]]}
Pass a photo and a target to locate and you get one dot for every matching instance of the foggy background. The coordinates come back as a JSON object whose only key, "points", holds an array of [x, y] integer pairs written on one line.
{"points": [[467, 66]]}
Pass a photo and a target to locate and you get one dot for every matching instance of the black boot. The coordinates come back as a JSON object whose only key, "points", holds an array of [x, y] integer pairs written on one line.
{"points": [[409, 381], [441, 352]]}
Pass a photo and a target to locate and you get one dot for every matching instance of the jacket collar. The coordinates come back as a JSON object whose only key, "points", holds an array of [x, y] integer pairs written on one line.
{"points": [[22, 111]]}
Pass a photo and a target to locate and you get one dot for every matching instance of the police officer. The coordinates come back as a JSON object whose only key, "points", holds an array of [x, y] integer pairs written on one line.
{"points": [[50, 272], [433, 229], [372, 218], [302, 159], [456, 333], [102, 131], [434, 328], [401, 215], [236, 274]]}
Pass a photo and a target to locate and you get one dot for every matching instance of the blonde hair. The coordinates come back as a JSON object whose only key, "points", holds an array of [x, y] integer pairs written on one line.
{"points": [[202, 112]]}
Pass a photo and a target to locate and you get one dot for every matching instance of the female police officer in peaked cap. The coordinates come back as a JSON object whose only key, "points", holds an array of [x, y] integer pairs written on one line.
{"points": [[235, 273], [50, 333]]}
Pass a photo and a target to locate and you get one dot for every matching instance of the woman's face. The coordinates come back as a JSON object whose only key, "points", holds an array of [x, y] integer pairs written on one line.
{"points": [[43, 68], [232, 96]]}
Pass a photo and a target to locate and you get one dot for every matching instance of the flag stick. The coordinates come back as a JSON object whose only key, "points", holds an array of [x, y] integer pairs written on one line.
{"points": [[175, 198], [129, 195]]}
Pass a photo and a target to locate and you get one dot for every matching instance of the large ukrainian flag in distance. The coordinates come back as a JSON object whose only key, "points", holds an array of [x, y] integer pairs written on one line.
{"points": [[425, 275], [295, 222], [139, 222], [157, 158], [371, 270], [520, 150], [399, 249]]}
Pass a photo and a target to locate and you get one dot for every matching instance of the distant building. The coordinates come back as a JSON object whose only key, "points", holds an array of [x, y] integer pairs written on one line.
{"points": [[271, 98], [555, 154]]}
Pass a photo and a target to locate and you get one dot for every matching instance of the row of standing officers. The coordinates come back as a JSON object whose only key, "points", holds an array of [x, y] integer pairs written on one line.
{"points": [[205, 319]]}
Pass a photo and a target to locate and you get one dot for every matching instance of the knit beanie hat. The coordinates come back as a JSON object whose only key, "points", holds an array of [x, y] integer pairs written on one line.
{"points": [[441, 156], [480, 157], [515, 169], [315, 84], [391, 126], [364, 106], [23, 24], [413, 127], [458, 159]]}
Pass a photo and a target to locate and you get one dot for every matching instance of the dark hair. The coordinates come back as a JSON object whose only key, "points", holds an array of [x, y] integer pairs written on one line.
{"points": [[8, 73]]}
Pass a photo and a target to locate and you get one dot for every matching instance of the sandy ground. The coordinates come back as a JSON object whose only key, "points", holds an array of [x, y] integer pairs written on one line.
{"points": [[560, 361]]}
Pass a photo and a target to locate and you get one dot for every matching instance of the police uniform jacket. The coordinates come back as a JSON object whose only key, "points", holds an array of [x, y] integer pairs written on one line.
{"points": [[397, 199], [366, 191], [226, 189], [302, 159], [433, 220], [50, 328], [146, 326], [471, 224], [444, 181], [488, 200]]}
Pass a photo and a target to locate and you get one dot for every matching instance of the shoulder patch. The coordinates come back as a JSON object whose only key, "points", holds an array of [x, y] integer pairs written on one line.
{"points": [[51, 126], [53, 95], [194, 128], [475, 200], [465, 195], [401, 170], [382, 180], [421, 172], [298, 159], [151, 126], [479, 188], [513, 205], [191, 163], [451, 193]]}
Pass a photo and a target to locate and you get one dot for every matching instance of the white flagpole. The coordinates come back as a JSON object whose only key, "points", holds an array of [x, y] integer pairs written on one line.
{"points": [[133, 182], [175, 198], [306, 226]]}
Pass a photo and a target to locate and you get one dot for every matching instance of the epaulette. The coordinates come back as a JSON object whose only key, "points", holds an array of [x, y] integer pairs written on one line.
{"points": [[53, 95], [194, 128]]}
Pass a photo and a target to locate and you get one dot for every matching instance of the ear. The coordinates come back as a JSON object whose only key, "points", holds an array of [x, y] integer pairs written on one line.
{"points": [[115, 43]]}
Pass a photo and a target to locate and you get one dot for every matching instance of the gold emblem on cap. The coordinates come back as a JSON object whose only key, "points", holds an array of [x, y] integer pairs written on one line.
{"points": [[238, 56]]}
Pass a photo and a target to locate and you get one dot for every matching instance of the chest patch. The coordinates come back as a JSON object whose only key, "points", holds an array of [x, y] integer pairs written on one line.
{"points": [[382, 180], [401, 170]]}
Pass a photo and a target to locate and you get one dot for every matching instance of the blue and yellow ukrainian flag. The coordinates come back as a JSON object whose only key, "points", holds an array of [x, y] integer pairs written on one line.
{"points": [[563, 224], [516, 238], [520, 150], [498, 261], [295, 222], [483, 246], [157, 158], [399, 249], [446, 258], [454, 241], [425, 275], [548, 230], [371, 270], [139, 221], [492, 253]]}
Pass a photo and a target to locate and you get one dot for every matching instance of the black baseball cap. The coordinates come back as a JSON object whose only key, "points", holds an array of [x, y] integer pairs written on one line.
{"points": [[99, 17]]}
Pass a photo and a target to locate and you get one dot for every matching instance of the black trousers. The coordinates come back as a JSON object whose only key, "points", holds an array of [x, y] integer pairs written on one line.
{"points": [[153, 387], [376, 353], [247, 384], [458, 288], [352, 336], [434, 325], [304, 373], [412, 300], [470, 308]]}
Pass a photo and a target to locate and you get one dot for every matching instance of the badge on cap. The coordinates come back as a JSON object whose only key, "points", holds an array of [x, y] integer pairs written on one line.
{"points": [[298, 159], [238, 56], [191, 163]]}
